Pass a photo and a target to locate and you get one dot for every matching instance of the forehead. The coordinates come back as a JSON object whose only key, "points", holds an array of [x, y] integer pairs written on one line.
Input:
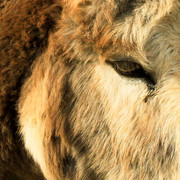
{"points": [[132, 32], [140, 28]]}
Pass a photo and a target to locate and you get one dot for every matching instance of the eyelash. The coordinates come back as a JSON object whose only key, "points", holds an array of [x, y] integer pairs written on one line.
{"points": [[131, 70]]}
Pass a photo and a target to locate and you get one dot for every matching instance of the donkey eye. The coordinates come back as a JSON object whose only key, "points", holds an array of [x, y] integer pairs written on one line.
{"points": [[127, 68], [132, 70]]}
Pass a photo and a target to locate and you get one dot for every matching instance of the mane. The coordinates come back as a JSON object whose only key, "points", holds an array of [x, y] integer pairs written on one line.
{"points": [[24, 31]]}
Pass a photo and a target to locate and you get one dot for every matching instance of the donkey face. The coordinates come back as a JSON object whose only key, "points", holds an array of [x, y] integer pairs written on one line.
{"points": [[102, 101]]}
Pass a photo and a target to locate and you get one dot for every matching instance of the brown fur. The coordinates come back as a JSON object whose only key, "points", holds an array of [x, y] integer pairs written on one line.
{"points": [[79, 119], [24, 29]]}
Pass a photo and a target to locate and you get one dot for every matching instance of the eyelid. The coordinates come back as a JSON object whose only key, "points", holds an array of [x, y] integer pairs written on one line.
{"points": [[124, 63], [116, 58]]}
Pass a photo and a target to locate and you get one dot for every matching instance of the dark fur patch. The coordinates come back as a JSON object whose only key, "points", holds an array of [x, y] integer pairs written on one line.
{"points": [[24, 30]]}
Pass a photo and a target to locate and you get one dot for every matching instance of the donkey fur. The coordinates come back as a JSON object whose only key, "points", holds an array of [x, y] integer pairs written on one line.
{"points": [[65, 113]]}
